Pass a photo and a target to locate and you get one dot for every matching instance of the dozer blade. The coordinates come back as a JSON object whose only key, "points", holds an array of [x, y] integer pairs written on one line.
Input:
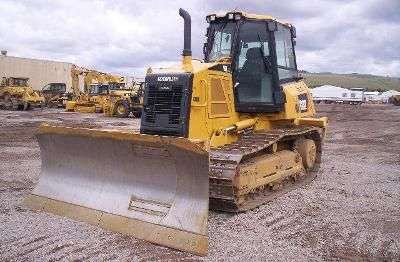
{"points": [[152, 187]]}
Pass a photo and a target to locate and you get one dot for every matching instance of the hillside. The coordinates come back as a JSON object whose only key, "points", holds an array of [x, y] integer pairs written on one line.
{"points": [[370, 82]]}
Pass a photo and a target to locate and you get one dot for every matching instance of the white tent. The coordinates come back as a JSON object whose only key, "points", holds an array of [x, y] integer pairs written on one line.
{"points": [[330, 93], [372, 96]]}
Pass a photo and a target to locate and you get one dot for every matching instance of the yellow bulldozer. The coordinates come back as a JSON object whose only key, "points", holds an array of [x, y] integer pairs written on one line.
{"points": [[16, 94], [395, 100], [228, 133]]}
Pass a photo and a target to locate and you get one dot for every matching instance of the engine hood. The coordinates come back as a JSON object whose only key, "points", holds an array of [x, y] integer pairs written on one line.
{"points": [[194, 66]]}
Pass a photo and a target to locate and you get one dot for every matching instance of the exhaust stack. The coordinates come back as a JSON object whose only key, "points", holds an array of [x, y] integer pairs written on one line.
{"points": [[187, 39]]}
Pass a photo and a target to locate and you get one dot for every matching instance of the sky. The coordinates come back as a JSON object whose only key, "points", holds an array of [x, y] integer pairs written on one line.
{"points": [[126, 37]]}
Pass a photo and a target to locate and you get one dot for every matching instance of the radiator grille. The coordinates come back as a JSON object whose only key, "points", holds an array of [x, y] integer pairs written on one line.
{"points": [[164, 102]]}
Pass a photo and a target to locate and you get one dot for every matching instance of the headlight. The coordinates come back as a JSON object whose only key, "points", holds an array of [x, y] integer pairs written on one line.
{"points": [[210, 18]]}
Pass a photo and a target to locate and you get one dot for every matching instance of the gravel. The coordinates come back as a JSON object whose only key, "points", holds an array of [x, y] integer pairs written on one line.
{"points": [[351, 211]]}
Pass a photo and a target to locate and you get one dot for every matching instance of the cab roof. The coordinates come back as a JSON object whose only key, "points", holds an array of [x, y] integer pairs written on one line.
{"points": [[252, 16]]}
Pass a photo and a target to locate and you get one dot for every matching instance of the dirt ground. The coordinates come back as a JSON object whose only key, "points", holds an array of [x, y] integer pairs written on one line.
{"points": [[351, 211]]}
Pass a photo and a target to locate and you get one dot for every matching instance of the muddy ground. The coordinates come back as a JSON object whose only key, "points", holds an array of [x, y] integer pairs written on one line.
{"points": [[351, 211]]}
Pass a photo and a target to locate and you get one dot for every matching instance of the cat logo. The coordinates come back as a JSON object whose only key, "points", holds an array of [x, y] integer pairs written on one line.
{"points": [[167, 78]]}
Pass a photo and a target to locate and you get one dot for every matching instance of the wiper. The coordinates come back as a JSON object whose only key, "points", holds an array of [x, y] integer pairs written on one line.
{"points": [[211, 41], [266, 65]]}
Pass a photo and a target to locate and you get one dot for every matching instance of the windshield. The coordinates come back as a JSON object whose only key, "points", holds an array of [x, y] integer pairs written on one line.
{"points": [[93, 89], [59, 87], [20, 82], [98, 89], [220, 40], [55, 87], [115, 85]]}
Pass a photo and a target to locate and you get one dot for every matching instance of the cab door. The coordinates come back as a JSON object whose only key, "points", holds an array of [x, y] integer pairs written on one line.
{"points": [[254, 77]]}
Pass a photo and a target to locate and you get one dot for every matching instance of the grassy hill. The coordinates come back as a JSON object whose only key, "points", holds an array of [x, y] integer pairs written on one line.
{"points": [[370, 82]]}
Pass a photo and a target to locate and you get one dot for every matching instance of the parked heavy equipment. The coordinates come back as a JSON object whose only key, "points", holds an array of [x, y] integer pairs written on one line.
{"points": [[88, 100], [96, 96], [395, 100], [114, 99], [120, 102], [78, 75], [55, 95], [16, 94], [230, 133]]}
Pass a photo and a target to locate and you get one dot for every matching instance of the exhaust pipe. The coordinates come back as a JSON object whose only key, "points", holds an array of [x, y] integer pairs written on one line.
{"points": [[187, 39]]}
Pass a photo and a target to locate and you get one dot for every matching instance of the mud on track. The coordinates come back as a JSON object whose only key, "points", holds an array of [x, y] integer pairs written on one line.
{"points": [[350, 211]]}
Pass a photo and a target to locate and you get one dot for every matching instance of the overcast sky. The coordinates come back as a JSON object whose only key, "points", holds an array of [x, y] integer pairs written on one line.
{"points": [[126, 37]]}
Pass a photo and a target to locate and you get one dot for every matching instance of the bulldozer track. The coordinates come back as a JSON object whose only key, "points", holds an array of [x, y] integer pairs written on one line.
{"points": [[225, 163]]}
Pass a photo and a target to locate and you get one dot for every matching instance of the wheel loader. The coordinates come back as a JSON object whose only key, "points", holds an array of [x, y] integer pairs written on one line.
{"points": [[120, 102], [230, 133], [16, 94]]}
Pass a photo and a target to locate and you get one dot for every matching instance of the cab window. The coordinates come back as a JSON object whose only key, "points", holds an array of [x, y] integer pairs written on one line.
{"points": [[221, 40], [285, 53], [253, 79]]}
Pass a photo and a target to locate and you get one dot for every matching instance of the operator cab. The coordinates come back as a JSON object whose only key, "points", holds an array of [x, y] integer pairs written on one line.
{"points": [[15, 81], [56, 88], [98, 89], [261, 51], [116, 85]]}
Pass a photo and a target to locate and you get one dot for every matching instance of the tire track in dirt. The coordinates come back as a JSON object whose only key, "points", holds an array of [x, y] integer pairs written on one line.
{"points": [[350, 211]]}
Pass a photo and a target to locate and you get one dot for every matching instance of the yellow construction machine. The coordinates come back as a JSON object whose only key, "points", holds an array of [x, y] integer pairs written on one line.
{"points": [[16, 94], [395, 100], [121, 101], [88, 101], [103, 93], [228, 133], [55, 95], [110, 98]]}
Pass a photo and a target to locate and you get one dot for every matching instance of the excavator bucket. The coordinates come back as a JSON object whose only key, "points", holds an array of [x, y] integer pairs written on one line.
{"points": [[152, 187]]}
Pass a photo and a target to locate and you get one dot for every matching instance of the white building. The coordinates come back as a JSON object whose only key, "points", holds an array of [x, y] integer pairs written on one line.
{"points": [[39, 72]]}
